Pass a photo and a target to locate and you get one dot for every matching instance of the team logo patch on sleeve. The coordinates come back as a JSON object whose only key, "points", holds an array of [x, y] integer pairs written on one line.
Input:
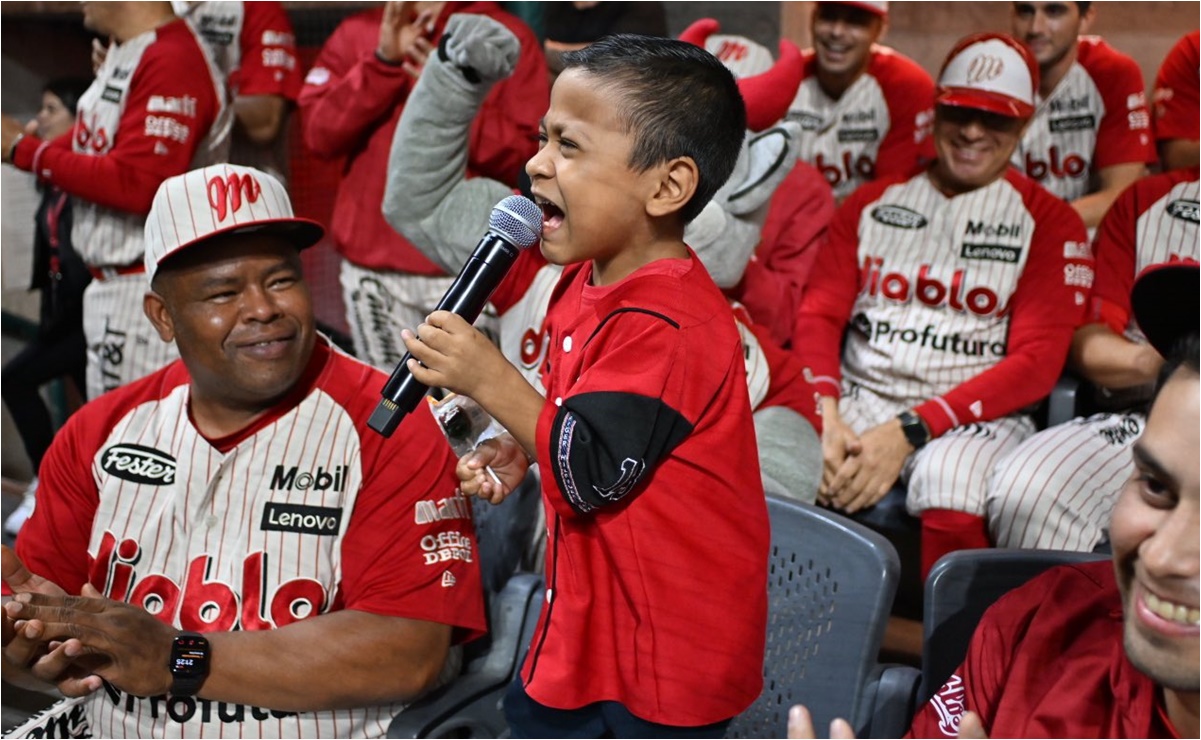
{"points": [[1185, 210], [898, 216], [318, 520], [139, 464]]}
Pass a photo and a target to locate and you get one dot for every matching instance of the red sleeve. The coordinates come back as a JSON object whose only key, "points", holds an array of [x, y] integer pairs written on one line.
{"points": [[908, 146], [269, 61], [830, 295], [349, 91], [1177, 99], [1044, 310], [394, 564], [797, 219], [1114, 251], [504, 135], [1124, 135], [149, 146]]}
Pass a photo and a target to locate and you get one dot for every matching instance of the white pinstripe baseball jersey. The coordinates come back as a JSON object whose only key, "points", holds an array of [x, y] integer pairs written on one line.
{"points": [[1097, 116], [166, 118], [879, 127], [955, 295], [254, 531]]}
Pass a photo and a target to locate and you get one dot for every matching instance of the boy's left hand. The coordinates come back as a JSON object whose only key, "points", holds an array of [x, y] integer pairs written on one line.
{"points": [[452, 354]]}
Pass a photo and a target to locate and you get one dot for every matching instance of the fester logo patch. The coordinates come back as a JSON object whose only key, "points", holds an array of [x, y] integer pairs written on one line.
{"points": [[139, 464], [318, 520]]}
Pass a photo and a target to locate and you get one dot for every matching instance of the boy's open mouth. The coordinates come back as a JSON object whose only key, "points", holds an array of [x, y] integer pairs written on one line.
{"points": [[552, 215]]}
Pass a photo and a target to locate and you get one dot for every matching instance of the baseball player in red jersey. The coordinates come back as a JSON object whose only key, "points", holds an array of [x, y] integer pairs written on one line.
{"points": [[1177, 104], [255, 562], [864, 108], [769, 280], [1090, 136], [351, 100], [254, 48], [1056, 490], [430, 202], [958, 291], [1106, 649], [153, 111]]}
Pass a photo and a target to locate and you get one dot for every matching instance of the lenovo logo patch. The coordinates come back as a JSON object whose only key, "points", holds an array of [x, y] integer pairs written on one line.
{"points": [[139, 464], [318, 520]]}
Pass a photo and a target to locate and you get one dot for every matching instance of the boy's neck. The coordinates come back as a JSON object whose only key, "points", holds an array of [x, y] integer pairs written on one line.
{"points": [[628, 261]]}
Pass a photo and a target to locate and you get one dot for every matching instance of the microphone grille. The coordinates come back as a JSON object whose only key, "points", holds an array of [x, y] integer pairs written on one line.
{"points": [[518, 220]]}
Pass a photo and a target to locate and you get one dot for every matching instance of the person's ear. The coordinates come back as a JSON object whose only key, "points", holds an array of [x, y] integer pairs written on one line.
{"points": [[678, 181], [155, 309]]}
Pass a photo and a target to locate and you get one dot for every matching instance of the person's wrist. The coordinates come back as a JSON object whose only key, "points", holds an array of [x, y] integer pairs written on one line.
{"points": [[385, 59]]}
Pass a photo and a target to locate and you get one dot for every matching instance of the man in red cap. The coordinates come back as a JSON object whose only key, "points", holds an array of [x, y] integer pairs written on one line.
{"points": [[957, 290], [864, 108], [206, 555]]}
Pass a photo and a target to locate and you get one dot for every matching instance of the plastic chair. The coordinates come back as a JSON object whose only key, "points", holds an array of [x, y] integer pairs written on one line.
{"points": [[830, 588], [961, 587], [470, 705]]}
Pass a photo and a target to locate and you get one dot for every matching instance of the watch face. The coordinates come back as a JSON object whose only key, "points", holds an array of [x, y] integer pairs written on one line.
{"points": [[189, 657]]}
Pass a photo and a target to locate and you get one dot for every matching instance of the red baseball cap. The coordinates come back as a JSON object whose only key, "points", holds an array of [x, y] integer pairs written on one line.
{"points": [[991, 72]]}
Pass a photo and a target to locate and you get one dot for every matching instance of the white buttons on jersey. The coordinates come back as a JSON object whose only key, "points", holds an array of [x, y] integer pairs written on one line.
{"points": [[550, 592], [211, 520], [566, 344], [559, 401]]}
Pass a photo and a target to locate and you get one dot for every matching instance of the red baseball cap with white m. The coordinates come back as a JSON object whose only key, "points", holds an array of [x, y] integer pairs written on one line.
{"points": [[192, 208], [991, 72]]}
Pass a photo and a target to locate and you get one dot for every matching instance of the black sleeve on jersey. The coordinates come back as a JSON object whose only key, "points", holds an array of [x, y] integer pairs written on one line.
{"points": [[603, 445]]}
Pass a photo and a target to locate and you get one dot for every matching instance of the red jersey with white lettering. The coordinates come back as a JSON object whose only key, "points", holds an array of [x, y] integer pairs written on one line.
{"points": [[1154, 221], [154, 111], [649, 467], [350, 105], [1177, 100], [1096, 117], [879, 127], [302, 513], [251, 43], [961, 307], [1047, 661]]}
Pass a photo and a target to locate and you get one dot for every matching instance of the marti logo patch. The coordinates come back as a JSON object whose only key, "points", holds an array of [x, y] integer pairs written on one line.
{"points": [[139, 464]]}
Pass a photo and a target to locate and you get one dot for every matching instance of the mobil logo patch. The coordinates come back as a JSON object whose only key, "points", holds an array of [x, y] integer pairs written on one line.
{"points": [[139, 464], [899, 216]]}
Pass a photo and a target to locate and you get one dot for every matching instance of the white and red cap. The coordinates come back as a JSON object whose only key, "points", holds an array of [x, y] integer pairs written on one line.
{"points": [[877, 8], [992, 72], [191, 208]]}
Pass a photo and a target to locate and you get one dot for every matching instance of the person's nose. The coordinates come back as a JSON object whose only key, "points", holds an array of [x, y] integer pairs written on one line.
{"points": [[259, 303]]}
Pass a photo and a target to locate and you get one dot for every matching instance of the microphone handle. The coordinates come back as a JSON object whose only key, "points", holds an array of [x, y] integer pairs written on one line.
{"points": [[467, 296]]}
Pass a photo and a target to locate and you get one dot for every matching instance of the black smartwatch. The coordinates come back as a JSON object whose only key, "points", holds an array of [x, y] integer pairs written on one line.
{"points": [[916, 431], [189, 665]]}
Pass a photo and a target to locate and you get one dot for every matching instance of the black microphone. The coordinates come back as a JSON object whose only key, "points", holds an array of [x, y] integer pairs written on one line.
{"points": [[515, 224]]}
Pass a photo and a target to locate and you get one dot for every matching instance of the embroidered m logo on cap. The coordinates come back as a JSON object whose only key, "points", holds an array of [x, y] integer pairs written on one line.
{"points": [[226, 193]]}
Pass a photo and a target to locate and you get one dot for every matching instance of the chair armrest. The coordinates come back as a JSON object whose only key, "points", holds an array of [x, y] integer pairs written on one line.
{"points": [[889, 701]]}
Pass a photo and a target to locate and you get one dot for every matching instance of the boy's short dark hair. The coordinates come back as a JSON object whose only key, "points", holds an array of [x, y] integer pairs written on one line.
{"points": [[678, 101]]}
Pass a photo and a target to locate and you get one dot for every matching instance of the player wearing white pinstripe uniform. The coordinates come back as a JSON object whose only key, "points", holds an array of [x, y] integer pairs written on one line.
{"points": [[958, 290], [1090, 136], [153, 111], [1057, 489], [238, 493]]}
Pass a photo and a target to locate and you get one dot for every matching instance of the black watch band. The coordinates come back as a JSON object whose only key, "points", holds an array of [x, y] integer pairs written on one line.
{"points": [[190, 654], [915, 429]]}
